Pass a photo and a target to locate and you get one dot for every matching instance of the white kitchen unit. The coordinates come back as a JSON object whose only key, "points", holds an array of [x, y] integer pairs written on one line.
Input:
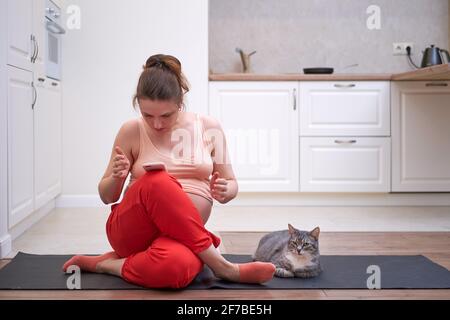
{"points": [[345, 136], [336, 108], [345, 164], [260, 120], [20, 145], [20, 43], [47, 142], [33, 108], [420, 136]]}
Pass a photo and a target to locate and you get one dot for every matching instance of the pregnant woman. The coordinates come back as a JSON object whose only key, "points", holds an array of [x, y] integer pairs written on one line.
{"points": [[157, 230]]}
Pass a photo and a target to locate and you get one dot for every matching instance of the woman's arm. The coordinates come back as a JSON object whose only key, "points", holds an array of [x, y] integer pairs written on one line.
{"points": [[224, 186], [110, 187]]}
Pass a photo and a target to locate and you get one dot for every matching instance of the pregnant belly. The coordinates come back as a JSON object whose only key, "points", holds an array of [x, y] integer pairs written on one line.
{"points": [[203, 206]]}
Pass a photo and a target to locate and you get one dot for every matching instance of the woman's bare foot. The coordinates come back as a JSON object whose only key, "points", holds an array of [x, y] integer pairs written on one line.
{"points": [[89, 263]]}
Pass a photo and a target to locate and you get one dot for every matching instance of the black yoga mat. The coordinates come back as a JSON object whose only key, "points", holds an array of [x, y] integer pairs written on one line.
{"points": [[43, 272]]}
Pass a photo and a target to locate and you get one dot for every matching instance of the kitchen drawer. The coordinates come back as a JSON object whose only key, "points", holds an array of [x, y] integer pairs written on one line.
{"points": [[338, 108], [345, 164]]}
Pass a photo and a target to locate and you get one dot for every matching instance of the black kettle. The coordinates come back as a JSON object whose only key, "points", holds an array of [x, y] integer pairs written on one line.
{"points": [[433, 56]]}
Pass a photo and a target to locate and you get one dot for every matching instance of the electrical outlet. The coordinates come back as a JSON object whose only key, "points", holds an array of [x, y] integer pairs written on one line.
{"points": [[399, 48]]}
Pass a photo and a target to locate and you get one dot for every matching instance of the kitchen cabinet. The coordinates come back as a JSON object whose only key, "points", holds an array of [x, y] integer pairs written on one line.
{"points": [[420, 136], [345, 136], [345, 164], [33, 105], [47, 142], [20, 144], [20, 45], [339, 108], [260, 120]]}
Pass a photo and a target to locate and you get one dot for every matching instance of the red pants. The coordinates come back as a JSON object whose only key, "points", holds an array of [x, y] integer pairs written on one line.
{"points": [[159, 231]]}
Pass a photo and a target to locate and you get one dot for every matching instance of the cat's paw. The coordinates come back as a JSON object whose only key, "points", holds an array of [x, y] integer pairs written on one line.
{"points": [[283, 273]]}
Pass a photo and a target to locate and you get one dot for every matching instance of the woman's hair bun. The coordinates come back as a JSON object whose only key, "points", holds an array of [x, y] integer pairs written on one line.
{"points": [[163, 61]]}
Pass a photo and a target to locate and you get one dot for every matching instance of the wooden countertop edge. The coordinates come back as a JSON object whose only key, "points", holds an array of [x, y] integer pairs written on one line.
{"points": [[297, 77], [440, 72]]}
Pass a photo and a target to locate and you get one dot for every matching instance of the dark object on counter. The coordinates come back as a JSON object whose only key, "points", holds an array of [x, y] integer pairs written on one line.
{"points": [[318, 70], [433, 56]]}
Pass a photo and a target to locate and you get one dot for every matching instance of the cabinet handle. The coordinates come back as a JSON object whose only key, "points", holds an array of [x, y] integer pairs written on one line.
{"points": [[433, 84], [344, 141], [41, 79], [338, 85], [294, 94], [34, 94], [37, 50], [54, 84], [33, 56]]}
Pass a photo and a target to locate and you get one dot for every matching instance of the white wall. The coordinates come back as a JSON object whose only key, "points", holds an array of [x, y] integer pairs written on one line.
{"points": [[101, 65]]}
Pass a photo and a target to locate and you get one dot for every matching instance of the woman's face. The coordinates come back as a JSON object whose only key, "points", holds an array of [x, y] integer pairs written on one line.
{"points": [[160, 115]]}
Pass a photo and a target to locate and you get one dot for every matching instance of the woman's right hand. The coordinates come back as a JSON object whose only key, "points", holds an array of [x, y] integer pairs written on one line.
{"points": [[121, 164]]}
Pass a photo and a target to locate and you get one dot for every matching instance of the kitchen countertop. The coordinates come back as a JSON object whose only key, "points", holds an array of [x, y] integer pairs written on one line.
{"points": [[439, 72]]}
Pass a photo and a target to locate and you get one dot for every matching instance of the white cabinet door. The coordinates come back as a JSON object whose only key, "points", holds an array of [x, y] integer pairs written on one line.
{"points": [[39, 34], [20, 45], [338, 108], [260, 121], [47, 142], [345, 164], [20, 145], [421, 136]]}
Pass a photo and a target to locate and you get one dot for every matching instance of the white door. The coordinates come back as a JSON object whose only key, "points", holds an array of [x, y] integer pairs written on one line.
{"points": [[421, 136], [20, 145], [345, 164], [338, 108], [39, 34], [20, 45], [260, 120], [47, 143]]}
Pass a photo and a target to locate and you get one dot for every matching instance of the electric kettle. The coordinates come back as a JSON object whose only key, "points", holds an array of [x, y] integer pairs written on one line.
{"points": [[433, 56]]}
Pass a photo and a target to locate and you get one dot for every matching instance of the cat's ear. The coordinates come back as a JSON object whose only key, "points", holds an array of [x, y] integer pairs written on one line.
{"points": [[315, 233], [291, 229]]}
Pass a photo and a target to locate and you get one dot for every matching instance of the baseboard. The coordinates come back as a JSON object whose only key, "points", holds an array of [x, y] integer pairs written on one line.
{"points": [[5, 246], [32, 219], [297, 200]]}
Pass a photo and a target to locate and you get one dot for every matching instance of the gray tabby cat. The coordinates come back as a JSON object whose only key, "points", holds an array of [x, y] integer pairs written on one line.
{"points": [[294, 253]]}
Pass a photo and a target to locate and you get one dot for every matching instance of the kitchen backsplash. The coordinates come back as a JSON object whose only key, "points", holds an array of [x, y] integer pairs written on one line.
{"points": [[347, 35]]}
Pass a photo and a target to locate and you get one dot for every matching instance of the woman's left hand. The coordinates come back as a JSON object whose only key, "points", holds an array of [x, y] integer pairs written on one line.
{"points": [[219, 188]]}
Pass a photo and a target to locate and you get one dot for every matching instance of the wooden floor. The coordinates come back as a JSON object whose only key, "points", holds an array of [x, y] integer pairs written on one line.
{"points": [[435, 246]]}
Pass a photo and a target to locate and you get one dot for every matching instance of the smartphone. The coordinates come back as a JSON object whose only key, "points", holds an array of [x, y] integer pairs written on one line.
{"points": [[152, 166]]}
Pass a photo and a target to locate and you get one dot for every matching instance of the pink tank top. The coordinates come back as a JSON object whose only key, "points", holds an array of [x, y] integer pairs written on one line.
{"points": [[191, 169]]}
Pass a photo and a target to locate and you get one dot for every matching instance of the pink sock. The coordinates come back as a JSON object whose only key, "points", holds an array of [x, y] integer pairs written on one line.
{"points": [[89, 263], [256, 272]]}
